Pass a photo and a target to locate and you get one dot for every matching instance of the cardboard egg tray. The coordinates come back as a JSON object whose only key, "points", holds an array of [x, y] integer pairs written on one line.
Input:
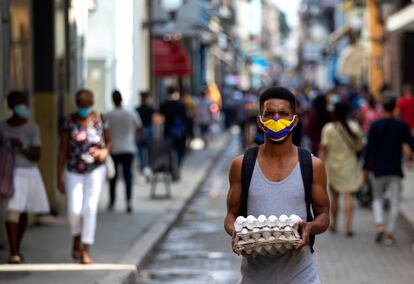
{"points": [[266, 236]]}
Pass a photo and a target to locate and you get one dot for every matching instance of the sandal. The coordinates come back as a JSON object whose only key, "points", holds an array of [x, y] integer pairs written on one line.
{"points": [[76, 254], [86, 258], [15, 259]]}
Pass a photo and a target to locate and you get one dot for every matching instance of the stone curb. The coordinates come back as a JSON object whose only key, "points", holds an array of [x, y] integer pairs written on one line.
{"points": [[143, 247]]}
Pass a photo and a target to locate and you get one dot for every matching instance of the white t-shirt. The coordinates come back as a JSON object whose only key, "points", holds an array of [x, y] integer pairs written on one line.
{"points": [[28, 134], [123, 124]]}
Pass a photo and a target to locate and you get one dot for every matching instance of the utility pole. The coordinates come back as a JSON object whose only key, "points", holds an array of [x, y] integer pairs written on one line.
{"points": [[376, 61]]}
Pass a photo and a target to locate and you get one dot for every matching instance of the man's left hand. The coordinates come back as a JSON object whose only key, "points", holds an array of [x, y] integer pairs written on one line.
{"points": [[304, 231]]}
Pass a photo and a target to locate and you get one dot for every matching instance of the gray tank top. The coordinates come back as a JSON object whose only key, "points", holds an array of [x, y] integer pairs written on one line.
{"points": [[277, 198]]}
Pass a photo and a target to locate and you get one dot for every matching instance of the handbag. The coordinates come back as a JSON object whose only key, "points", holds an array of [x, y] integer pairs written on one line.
{"points": [[110, 167], [6, 169], [109, 162], [364, 195]]}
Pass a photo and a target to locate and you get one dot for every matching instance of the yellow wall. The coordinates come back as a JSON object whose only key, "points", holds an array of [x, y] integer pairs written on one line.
{"points": [[45, 114], [376, 65]]}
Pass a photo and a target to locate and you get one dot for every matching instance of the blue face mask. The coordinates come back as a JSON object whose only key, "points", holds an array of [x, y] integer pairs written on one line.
{"points": [[84, 112], [21, 110]]}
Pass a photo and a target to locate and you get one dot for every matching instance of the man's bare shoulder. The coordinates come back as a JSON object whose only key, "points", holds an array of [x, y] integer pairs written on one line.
{"points": [[235, 168], [317, 163], [237, 161], [319, 172]]}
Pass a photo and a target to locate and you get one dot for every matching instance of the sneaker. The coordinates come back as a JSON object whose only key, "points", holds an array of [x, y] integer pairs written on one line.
{"points": [[389, 240], [129, 209], [15, 259], [147, 172]]}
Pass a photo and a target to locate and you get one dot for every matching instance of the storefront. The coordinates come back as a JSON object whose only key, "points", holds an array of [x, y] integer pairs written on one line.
{"points": [[400, 44]]}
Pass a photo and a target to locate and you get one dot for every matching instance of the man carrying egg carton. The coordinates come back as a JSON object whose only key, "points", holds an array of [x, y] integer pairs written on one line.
{"points": [[279, 179], [265, 236]]}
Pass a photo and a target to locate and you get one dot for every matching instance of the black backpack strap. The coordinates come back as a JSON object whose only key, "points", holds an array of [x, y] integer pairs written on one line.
{"points": [[306, 168], [249, 160]]}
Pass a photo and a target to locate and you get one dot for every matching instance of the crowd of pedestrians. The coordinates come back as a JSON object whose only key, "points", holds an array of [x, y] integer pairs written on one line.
{"points": [[363, 140], [360, 139], [94, 148]]}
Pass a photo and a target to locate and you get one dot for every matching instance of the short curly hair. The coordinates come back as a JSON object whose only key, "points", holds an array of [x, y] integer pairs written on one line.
{"points": [[278, 92]]}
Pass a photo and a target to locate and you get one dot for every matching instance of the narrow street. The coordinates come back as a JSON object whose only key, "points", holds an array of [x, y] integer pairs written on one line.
{"points": [[197, 250]]}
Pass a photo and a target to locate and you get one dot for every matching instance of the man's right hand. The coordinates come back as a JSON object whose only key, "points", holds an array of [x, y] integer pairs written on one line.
{"points": [[61, 186], [233, 241]]}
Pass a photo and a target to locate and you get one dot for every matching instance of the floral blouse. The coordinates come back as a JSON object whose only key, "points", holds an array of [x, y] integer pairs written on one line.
{"points": [[83, 140]]}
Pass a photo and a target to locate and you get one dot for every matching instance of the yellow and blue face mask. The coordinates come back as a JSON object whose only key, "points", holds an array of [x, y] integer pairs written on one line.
{"points": [[277, 129]]}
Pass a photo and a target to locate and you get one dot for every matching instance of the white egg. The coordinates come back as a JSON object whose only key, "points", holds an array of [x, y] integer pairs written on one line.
{"points": [[240, 219], [272, 218], [251, 219], [251, 222], [261, 218], [295, 218], [239, 224], [238, 227], [283, 218]]}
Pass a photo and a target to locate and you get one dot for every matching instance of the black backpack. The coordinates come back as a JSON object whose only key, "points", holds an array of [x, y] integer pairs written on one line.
{"points": [[305, 161]]}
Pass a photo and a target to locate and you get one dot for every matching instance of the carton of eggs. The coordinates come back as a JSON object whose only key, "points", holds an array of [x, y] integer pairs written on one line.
{"points": [[267, 235]]}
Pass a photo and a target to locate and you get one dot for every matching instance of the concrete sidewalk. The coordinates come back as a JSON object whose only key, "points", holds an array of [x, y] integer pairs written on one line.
{"points": [[122, 240], [407, 203]]}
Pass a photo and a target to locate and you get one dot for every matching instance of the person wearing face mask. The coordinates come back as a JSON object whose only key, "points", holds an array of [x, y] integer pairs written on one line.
{"points": [[84, 147], [29, 191], [279, 178], [341, 140]]}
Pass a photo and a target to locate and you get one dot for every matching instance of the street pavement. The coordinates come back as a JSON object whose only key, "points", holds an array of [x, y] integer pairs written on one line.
{"points": [[197, 250], [122, 240], [360, 260]]}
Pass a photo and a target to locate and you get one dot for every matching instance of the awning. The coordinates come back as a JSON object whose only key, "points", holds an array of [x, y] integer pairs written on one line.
{"points": [[353, 61], [170, 59], [402, 20]]}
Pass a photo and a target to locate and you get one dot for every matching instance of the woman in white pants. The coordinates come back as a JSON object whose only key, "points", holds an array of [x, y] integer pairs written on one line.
{"points": [[84, 147], [29, 191]]}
